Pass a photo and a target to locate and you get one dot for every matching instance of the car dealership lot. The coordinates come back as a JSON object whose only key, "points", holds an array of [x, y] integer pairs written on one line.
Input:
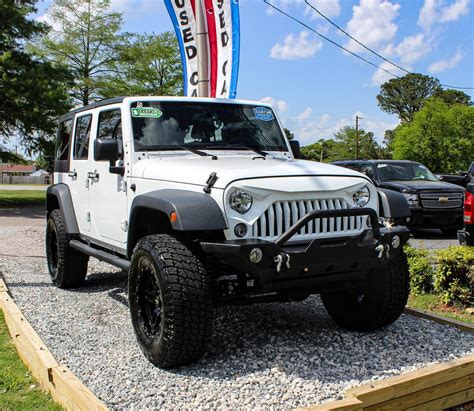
{"points": [[283, 355]]}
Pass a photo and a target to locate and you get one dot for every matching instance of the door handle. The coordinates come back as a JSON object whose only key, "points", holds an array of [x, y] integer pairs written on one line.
{"points": [[72, 173], [94, 175]]}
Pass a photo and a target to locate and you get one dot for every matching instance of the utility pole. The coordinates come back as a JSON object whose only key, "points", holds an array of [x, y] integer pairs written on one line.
{"points": [[357, 136], [202, 51]]}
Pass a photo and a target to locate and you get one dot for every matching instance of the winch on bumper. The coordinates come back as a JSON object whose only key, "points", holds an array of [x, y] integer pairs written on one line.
{"points": [[329, 259]]}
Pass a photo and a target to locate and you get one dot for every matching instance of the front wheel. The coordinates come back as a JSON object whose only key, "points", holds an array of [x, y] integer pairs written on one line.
{"points": [[170, 301], [378, 303]]}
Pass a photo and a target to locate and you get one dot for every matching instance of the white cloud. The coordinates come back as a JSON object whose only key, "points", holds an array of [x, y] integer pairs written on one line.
{"points": [[446, 64], [372, 23], [305, 114], [380, 76], [296, 47], [330, 8], [280, 105], [412, 48], [437, 11]]}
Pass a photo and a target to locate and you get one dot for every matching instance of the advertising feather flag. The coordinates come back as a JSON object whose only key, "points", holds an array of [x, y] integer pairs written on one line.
{"points": [[222, 25]]}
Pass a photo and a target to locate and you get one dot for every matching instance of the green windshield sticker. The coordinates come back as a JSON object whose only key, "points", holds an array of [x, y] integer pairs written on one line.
{"points": [[146, 112]]}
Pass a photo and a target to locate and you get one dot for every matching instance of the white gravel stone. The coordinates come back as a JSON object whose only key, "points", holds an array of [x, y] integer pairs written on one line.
{"points": [[266, 356]]}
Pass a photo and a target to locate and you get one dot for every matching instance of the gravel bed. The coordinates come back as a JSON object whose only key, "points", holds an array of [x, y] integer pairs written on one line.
{"points": [[262, 356]]}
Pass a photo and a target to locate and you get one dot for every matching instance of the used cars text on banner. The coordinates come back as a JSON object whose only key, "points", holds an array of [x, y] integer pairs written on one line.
{"points": [[223, 43]]}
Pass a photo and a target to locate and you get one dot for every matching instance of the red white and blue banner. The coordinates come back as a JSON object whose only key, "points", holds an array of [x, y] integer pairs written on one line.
{"points": [[223, 41]]}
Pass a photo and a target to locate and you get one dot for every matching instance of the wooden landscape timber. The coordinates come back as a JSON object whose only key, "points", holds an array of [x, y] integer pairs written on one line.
{"points": [[432, 388], [59, 381]]}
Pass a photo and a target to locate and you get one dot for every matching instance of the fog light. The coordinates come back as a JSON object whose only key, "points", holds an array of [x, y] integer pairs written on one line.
{"points": [[396, 241], [256, 255], [240, 230]]}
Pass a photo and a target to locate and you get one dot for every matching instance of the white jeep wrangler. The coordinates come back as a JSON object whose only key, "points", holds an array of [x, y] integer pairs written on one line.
{"points": [[204, 202]]}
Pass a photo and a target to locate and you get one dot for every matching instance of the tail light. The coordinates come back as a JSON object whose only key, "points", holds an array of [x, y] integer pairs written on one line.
{"points": [[468, 208]]}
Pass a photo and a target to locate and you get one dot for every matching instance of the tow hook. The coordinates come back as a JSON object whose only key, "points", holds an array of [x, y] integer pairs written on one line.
{"points": [[381, 248], [281, 259]]}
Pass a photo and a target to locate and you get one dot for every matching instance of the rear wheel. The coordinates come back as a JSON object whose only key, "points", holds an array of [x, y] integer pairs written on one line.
{"points": [[67, 267], [170, 301], [378, 303]]}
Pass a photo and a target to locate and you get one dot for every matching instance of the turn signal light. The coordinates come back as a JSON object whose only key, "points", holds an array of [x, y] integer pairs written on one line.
{"points": [[173, 217], [468, 208]]}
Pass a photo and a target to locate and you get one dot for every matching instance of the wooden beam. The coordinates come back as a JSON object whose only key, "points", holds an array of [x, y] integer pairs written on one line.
{"points": [[59, 381], [446, 402], [441, 320]]}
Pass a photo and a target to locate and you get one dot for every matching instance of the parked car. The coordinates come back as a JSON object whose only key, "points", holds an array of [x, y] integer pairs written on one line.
{"points": [[462, 179], [433, 203], [204, 202], [466, 235]]}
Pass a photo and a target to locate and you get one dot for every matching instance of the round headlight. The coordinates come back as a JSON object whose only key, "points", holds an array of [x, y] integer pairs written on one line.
{"points": [[361, 197], [240, 201]]}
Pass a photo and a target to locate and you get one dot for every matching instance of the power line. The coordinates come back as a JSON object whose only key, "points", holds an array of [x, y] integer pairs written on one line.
{"points": [[371, 50], [328, 39], [344, 48]]}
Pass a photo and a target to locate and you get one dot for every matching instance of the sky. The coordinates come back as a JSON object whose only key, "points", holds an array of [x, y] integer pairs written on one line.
{"points": [[316, 87]]}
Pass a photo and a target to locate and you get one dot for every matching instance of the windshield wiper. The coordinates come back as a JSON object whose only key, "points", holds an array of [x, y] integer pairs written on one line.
{"points": [[173, 147], [254, 149]]}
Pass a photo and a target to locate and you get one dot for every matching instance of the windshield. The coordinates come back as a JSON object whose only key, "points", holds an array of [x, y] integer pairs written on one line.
{"points": [[167, 125], [404, 171]]}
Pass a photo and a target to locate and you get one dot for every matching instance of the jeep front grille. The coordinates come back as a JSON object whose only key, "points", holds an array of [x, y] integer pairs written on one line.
{"points": [[281, 215], [441, 200]]}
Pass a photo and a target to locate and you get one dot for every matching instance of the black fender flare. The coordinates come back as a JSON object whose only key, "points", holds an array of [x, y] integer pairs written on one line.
{"points": [[59, 195], [392, 204], [194, 211]]}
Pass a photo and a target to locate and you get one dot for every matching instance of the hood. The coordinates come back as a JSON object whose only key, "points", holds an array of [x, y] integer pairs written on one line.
{"points": [[196, 170], [418, 185]]}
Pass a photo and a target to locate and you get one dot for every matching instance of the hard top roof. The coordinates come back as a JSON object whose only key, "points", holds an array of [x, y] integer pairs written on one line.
{"points": [[116, 100]]}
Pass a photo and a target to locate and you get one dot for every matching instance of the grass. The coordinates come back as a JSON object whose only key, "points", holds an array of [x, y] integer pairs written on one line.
{"points": [[21, 198], [18, 389], [432, 303]]}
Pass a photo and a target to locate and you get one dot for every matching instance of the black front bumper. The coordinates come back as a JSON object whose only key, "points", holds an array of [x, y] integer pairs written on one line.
{"points": [[431, 218], [328, 258]]}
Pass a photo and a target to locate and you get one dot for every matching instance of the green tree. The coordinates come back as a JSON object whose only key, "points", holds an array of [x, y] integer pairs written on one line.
{"points": [[453, 97], [145, 65], [32, 90], [346, 147], [84, 38], [440, 136], [319, 151], [406, 95]]}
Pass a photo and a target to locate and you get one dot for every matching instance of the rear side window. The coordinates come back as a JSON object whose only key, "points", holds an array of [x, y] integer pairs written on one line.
{"points": [[82, 134], [110, 124], [64, 138]]}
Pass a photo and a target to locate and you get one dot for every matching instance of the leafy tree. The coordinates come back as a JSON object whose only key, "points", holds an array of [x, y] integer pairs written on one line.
{"points": [[319, 151], [32, 90], [406, 95], [440, 136], [84, 38], [453, 97], [289, 134], [346, 137], [145, 65]]}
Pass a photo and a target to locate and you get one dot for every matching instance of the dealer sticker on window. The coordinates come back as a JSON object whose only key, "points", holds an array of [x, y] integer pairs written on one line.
{"points": [[263, 113], [146, 112]]}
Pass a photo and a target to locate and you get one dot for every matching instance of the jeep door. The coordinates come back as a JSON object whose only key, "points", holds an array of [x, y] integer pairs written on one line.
{"points": [[108, 194], [77, 178]]}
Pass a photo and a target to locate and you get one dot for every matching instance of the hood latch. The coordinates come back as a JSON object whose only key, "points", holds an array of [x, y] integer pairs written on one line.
{"points": [[211, 180]]}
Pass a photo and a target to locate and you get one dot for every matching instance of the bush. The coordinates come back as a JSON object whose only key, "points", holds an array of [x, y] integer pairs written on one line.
{"points": [[455, 275], [421, 271]]}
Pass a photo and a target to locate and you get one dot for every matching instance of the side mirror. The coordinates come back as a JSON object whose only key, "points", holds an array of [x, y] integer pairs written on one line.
{"points": [[295, 148], [107, 149]]}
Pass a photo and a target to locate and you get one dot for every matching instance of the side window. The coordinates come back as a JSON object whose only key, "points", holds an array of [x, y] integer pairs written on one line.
{"points": [[64, 138], [110, 124], [367, 170], [82, 135], [352, 166]]}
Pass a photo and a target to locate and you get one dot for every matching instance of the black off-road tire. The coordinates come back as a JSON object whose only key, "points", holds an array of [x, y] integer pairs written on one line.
{"points": [[170, 301], [378, 303], [67, 267]]}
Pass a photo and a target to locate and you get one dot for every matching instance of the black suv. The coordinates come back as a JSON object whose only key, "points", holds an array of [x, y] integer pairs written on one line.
{"points": [[433, 203]]}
